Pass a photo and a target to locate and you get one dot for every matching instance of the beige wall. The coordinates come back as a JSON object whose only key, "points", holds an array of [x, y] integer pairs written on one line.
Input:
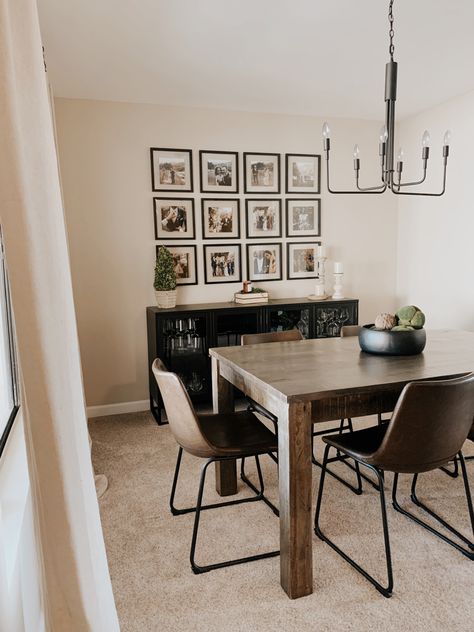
{"points": [[104, 155], [435, 243]]}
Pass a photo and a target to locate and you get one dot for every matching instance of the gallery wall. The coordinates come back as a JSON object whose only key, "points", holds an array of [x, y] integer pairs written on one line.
{"points": [[435, 245], [105, 170]]}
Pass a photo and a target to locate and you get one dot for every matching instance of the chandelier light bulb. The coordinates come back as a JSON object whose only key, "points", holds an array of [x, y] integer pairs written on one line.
{"points": [[383, 134], [447, 137], [326, 131], [401, 155], [426, 138], [356, 152]]}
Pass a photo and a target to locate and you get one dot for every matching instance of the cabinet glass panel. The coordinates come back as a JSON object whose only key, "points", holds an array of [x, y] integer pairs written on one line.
{"points": [[230, 327], [290, 318], [329, 320], [185, 352]]}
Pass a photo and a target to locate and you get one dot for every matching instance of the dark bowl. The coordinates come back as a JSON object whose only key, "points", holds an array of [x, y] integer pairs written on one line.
{"points": [[388, 342]]}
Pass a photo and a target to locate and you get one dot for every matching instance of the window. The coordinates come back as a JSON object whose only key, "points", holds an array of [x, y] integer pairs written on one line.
{"points": [[8, 381]]}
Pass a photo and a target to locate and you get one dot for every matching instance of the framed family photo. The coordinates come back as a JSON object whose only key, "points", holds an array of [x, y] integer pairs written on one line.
{"points": [[220, 219], [303, 173], [185, 263], [264, 262], [171, 169], [303, 217], [301, 260], [219, 171], [263, 218], [174, 218], [222, 263], [261, 173]]}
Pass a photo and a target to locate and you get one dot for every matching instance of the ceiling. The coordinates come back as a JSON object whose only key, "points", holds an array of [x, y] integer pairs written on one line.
{"points": [[287, 56]]}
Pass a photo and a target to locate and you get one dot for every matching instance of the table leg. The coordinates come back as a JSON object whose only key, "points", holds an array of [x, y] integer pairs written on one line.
{"points": [[294, 462], [223, 402]]}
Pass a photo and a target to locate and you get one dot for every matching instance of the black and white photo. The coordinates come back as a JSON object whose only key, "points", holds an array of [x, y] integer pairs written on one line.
{"points": [[303, 217], [174, 218], [222, 263], [220, 219], [185, 263], [303, 173], [263, 218], [171, 169], [261, 173], [301, 260], [219, 171], [264, 262]]}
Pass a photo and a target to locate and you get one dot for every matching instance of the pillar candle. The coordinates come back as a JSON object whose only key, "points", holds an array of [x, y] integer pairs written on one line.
{"points": [[338, 268]]}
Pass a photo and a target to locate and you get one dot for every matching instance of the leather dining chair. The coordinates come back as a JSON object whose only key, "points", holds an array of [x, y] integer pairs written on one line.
{"points": [[293, 335], [212, 437], [454, 473], [429, 425]]}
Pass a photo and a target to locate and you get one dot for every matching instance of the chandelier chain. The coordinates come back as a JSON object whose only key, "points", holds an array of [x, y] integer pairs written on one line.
{"points": [[391, 32]]}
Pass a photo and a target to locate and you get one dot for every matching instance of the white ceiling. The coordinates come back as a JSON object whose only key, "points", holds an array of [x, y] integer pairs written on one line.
{"points": [[291, 56]]}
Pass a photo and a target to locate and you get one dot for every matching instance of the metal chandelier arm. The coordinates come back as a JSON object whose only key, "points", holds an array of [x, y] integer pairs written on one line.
{"points": [[398, 192], [369, 191], [411, 184]]}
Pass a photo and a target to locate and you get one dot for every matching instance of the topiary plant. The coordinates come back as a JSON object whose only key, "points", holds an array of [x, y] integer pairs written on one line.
{"points": [[165, 276]]}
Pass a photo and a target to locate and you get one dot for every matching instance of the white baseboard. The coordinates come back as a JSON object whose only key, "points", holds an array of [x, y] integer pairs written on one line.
{"points": [[118, 409]]}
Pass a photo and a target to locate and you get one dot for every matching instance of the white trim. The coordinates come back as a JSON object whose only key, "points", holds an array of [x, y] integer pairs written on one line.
{"points": [[118, 409]]}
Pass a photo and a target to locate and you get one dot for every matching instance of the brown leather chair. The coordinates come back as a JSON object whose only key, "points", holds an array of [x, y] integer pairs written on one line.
{"points": [[429, 425], [218, 437], [454, 473]]}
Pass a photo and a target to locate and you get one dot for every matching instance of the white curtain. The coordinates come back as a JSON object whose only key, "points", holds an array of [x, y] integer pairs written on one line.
{"points": [[76, 584]]}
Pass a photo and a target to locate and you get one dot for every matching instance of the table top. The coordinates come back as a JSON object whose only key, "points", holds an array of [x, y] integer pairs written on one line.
{"points": [[316, 369]]}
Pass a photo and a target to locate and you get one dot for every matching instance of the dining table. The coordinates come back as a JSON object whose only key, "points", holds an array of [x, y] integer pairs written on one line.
{"points": [[313, 381]]}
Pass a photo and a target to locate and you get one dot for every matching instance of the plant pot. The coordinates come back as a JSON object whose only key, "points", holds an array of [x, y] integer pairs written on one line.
{"points": [[166, 299], [386, 342]]}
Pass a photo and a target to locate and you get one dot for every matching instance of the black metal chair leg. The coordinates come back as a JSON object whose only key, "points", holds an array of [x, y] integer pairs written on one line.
{"points": [[260, 491], [199, 507], [427, 526], [175, 511], [386, 591], [454, 473]]}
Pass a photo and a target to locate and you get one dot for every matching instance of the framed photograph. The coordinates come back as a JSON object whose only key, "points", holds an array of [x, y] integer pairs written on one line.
{"points": [[220, 219], [174, 218], [263, 218], [185, 263], [303, 217], [219, 171], [264, 262], [303, 173], [261, 173], [301, 260], [222, 263], [171, 169]]}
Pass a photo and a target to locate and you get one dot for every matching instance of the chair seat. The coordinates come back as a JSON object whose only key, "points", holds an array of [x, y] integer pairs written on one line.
{"points": [[237, 434], [360, 444]]}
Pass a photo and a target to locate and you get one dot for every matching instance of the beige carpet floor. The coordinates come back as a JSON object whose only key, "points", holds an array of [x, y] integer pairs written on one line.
{"points": [[154, 587]]}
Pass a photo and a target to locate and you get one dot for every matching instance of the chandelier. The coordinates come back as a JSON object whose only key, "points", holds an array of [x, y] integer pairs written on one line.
{"points": [[391, 173]]}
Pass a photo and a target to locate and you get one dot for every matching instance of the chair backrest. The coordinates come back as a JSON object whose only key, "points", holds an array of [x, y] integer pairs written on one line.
{"points": [[272, 336], [429, 425], [182, 418], [350, 330]]}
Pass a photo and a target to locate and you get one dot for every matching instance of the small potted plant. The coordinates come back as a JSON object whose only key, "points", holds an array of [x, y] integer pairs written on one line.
{"points": [[165, 279]]}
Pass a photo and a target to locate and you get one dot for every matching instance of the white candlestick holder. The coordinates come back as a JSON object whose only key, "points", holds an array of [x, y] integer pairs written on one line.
{"points": [[321, 275], [338, 293]]}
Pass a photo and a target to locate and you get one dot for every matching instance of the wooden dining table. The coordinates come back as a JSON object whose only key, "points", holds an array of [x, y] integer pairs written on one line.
{"points": [[313, 381]]}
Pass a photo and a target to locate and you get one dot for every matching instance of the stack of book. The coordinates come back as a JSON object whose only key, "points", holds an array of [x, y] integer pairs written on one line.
{"points": [[249, 298]]}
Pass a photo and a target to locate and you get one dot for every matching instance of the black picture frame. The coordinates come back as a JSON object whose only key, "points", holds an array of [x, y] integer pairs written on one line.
{"points": [[287, 217], [206, 247], [251, 274], [262, 201], [193, 248], [264, 190], [162, 189], [301, 190], [218, 191], [204, 218], [289, 275], [168, 236]]}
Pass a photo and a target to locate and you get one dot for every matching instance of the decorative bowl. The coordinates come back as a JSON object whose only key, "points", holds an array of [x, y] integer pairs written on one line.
{"points": [[386, 342]]}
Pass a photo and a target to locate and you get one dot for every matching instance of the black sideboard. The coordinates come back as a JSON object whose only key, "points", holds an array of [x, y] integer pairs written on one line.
{"points": [[182, 336]]}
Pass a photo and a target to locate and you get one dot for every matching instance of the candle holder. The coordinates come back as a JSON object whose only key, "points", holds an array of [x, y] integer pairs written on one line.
{"points": [[321, 283], [338, 285]]}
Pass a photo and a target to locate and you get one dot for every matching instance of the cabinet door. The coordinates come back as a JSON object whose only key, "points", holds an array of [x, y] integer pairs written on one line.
{"points": [[284, 318], [331, 317], [230, 325]]}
